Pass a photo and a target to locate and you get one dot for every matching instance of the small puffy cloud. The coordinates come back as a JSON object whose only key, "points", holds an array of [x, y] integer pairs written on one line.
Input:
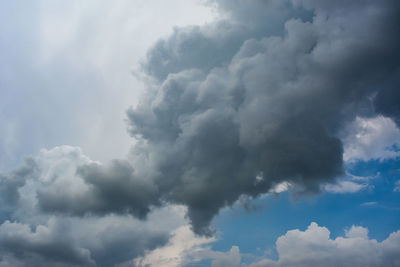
{"points": [[369, 204], [396, 186], [357, 231], [343, 187], [231, 258], [371, 139]]}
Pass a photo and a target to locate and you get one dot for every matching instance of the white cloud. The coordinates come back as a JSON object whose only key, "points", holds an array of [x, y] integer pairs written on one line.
{"points": [[183, 247], [397, 186], [371, 138], [281, 187], [231, 258], [369, 203], [343, 187], [315, 247], [357, 231]]}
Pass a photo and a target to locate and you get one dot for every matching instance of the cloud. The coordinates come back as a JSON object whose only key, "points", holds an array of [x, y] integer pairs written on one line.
{"points": [[342, 187], [108, 189], [184, 247], [253, 103], [315, 247], [369, 204], [235, 107], [30, 232], [66, 71], [256, 93], [231, 258], [396, 186], [45, 244], [11, 182], [371, 139], [78, 242]]}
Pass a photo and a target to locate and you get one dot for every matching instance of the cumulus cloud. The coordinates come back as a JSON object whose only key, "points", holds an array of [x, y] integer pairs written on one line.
{"points": [[46, 244], [11, 182], [104, 189], [32, 234], [236, 107], [78, 242], [315, 247], [184, 247], [267, 90], [233, 108], [230, 258], [371, 138]]}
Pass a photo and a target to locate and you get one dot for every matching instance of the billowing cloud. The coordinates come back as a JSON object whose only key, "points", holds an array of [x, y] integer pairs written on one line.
{"points": [[184, 248], [236, 107], [231, 258], [232, 109], [371, 139], [78, 242], [11, 182], [32, 232], [314, 247], [108, 189], [45, 244], [261, 94]]}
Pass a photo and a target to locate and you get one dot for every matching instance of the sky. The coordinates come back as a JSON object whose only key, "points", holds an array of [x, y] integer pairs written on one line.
{"points": [[248, 133]]}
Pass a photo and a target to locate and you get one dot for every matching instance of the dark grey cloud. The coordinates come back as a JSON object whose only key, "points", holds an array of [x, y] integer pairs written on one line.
{"points": [[111, 189], [61, 242], [45, 246], [33, 232], [265, 91], [233, 108], [213, 45], [262, 93], [386, 101], [11, 182]]}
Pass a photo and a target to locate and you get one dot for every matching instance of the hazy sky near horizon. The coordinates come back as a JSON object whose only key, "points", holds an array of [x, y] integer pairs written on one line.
{"points": [[199, 133]]}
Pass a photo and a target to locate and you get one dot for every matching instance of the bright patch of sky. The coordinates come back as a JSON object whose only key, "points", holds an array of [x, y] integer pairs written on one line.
{"points": [[67, 71]]}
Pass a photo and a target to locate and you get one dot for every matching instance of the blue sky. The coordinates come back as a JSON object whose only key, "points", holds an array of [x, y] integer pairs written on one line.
{"points": [[199, 133], [375, 208]]}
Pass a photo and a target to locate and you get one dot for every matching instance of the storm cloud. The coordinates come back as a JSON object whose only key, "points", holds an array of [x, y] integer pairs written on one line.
{"points": [[265, 91], [38, 229], [110, 189], [232, 110], [235, 107]]}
